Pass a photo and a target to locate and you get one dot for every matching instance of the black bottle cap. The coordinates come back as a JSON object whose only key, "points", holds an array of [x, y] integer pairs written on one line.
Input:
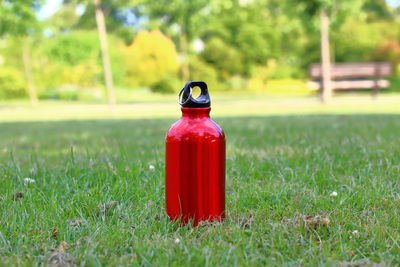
{"points": [[186, 100]]}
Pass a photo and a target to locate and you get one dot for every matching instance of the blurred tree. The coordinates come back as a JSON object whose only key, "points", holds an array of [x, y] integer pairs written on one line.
{"points": [[18, 19], [227, 59], [256, 29], [153, 61], [326, 9], [64, 19], [67, 54], [358, 40], [122, 17], [72, 48], [18, 16], [101, 9], [12, 84], [326, 93], [239, 40], [388, 51], [185, 18], [101, 27], [377, 10]]}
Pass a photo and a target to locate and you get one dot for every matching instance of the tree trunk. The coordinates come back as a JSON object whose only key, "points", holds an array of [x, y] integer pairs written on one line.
{"points": [[184, 51], [101, 27], [26, 59], [326, 92]]}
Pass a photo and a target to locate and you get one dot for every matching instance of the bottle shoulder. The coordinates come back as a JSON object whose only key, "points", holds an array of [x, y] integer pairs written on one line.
{"points": [[194, 128]]}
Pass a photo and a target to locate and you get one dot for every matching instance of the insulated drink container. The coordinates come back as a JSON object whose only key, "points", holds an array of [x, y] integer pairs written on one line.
{"points": [[195, 161]]}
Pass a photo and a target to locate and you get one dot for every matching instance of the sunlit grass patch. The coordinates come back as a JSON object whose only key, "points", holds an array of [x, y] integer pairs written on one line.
{"points": [[99, 186]]}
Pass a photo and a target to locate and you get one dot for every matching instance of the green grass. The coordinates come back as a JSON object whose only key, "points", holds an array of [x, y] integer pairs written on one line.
{"points": [[280, 169], [224, 105]]}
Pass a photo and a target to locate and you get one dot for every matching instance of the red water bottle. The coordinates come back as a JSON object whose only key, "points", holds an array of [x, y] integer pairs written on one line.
{"points": [[195, 161]]}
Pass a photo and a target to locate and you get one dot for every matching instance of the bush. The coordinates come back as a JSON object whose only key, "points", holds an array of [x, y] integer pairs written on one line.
{"points": [[65, 92], [260, 75], [49, 77], [60, 81], [225, 58], [12, 83], [358, 40], [236, 83], [72, 60], [264, 79], [83, 74], [167, 84], [75, 58], [388, 51], [288, 86], [73, 92], [74, 47], [395, 79], [395, 83], [201, 71], [151, 60]]}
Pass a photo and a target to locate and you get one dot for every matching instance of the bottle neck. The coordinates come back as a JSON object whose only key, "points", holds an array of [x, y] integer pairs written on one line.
{"points": [[196, 112]]}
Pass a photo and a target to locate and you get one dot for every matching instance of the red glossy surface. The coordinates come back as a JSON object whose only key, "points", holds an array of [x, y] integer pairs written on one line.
{"points": [[195, 168]]}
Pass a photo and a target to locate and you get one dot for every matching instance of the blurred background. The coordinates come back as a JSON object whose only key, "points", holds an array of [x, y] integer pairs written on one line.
{"points": [[98, 52]]}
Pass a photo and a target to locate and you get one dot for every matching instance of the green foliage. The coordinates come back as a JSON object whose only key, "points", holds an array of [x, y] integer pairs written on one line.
{"points": [[388, 51], [167, 84], [395, 82], [11, 52], [357, 40], [117, 12], [189, 16], [236, 83], [12, 83], [377, 10], [241, 39], [239, 35], [17, 17], [200, 70], [50, 77], [73, 92], [62, 92], [150, 59], [73, 48], [118, 60], [74, 59], [63, 20], [225, 58], [288, 86], [272, 77]]}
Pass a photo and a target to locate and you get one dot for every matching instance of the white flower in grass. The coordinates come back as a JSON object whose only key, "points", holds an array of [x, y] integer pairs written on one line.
{"points": [[354, 233], [28, 180], [152, 168], [177, 240], [333, 194]]}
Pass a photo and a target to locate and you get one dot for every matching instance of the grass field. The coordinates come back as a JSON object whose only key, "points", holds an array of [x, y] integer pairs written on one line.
{"points": [[224, 105], [93, 188]]}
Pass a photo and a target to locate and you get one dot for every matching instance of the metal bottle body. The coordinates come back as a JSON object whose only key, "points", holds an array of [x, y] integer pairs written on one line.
{"points": [[195, 168]]}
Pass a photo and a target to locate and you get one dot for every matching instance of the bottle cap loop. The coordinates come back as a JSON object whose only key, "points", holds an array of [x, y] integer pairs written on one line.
{"points": [[185, 98]]}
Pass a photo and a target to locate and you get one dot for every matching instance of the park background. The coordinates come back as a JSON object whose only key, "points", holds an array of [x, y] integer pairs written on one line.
{"points": [[88, 90], [140, 51]]}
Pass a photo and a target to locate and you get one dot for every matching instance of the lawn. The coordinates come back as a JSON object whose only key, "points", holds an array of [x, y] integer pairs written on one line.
{"points": [[92, 187], [223, 105]]}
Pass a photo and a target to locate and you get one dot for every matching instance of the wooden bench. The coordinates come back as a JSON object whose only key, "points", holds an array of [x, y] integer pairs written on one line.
{"points": [[346, 76]]}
